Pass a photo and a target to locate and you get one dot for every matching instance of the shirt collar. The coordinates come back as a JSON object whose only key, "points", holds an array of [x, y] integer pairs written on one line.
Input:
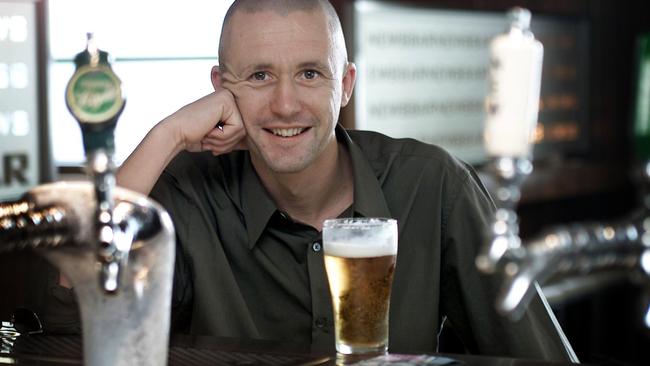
{"points": [[258, 207], [369, 200]]}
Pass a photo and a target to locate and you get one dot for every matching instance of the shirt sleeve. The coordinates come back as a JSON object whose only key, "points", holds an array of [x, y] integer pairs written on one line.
{"points": [[60, 311], [468, 297], [166, 193]]}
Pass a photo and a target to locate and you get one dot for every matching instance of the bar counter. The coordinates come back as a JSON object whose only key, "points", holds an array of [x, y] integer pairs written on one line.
{"points": [[198, 350]]}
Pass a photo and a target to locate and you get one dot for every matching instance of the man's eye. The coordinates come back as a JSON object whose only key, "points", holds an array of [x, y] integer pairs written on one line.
{"points": [[260, 76], [310, 74]]}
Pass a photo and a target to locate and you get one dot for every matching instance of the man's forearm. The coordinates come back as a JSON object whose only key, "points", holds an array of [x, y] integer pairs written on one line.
{"points": [[145, 164]]}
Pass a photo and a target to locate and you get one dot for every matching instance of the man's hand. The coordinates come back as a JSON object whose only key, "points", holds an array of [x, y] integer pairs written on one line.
{"points": [[194, 128], [212, 123]]}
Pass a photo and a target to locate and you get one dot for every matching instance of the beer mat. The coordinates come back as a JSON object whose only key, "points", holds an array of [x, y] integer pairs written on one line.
{"points": [[407, 360]]}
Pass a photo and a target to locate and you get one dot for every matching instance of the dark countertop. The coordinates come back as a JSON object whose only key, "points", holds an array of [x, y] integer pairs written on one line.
{"points": [[197, 350]]}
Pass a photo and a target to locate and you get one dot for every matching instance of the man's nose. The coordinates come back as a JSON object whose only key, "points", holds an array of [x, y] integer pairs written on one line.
{"points": [[286, 100]]}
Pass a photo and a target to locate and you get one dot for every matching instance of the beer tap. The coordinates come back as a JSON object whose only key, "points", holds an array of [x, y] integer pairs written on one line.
{"points": [[92, 230], [94, 97], [566, 250], [511, 106]]}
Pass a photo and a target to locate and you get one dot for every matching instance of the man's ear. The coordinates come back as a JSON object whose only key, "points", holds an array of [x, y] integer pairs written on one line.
{"points": [[215, 77], [349, 79]]}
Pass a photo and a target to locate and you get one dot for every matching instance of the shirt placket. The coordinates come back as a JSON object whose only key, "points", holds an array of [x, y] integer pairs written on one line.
{"points": [[322, 334]]}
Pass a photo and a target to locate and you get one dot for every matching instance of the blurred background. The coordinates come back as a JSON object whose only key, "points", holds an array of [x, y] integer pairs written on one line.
{"points": [[422, 74]]}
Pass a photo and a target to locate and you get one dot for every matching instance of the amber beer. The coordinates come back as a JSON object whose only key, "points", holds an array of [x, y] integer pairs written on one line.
{"points": [[360, 260]]}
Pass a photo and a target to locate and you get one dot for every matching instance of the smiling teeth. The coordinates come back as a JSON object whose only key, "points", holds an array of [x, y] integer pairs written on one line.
{"points": [[287, 132]]}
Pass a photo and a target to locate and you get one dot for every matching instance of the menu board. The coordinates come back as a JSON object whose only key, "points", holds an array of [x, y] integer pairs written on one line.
{"points": [[19, 127], [422, 73]]}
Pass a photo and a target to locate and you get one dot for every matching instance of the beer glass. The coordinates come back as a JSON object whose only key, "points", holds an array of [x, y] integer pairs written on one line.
{"points": [[360, 258]]}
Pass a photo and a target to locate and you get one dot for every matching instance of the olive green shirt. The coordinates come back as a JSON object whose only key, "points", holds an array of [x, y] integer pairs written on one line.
{"points": [[246, 269]]}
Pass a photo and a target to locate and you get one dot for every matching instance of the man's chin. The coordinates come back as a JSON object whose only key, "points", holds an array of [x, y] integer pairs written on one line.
{"points": [[286, 168], [282, 165]]}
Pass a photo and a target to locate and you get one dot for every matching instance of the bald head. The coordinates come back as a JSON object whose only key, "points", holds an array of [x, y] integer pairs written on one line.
{"points": [[283, 8]]}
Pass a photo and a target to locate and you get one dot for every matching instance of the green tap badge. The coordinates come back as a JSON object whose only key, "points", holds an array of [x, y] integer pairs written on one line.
{"points": [[94, 93]]}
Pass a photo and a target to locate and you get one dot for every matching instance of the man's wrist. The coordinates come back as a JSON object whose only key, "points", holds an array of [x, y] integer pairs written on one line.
{"points": [[169, 134]]}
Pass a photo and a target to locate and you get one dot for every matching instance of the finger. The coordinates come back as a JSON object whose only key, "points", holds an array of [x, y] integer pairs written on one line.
{"points": [[215, 150], [217, 133], [227, 133], [221, 143], [213, 143], [230, 113]]}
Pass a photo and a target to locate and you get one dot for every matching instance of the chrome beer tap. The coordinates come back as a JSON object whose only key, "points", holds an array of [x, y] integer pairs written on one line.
{"points": [[94, 97], [95, 230], [563, 251], [570, 250]]}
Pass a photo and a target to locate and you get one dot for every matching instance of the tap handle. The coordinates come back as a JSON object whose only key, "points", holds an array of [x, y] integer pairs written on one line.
{"points": [[94, 97]]}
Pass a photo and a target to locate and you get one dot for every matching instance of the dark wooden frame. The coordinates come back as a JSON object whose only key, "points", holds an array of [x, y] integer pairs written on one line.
{"points": [[21, 271]]}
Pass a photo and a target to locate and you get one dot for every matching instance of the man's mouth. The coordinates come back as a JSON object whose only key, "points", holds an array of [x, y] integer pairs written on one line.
{"points": [[287, 132]]}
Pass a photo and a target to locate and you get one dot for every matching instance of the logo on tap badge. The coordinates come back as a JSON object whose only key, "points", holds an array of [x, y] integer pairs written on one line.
{"points": [[94, 95]]}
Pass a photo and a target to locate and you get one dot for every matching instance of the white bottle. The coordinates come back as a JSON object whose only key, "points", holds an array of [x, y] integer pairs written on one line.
{"points": [[514, 83]]}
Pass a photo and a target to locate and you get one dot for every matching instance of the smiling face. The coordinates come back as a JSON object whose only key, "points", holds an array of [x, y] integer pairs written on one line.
{"points": [[289, 75]]}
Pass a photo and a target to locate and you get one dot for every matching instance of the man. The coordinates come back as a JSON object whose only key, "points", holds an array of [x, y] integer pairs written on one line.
{"points": [[248, 222]]}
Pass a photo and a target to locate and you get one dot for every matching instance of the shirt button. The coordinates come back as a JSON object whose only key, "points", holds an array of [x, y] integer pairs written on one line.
{"points": [[316, 247], [320, 322]]}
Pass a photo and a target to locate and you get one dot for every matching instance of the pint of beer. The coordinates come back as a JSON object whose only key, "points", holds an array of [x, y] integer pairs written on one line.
{"points": [[360, 260]]}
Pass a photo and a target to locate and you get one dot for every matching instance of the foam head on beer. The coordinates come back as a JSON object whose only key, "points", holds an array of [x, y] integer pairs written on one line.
{"points": [[360, 238]]}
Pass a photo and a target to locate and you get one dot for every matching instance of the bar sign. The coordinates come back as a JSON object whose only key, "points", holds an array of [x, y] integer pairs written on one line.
{"points": [[19, 147]]}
